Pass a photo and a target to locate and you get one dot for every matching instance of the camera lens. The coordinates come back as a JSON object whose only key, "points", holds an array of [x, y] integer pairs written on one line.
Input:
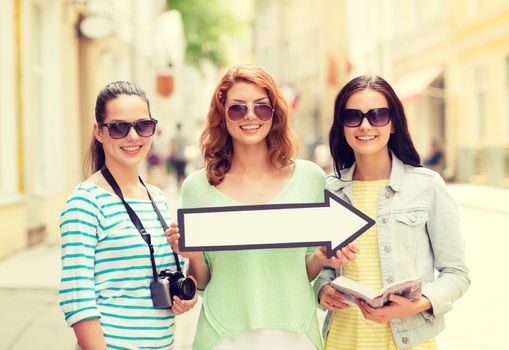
{"points": [[187, 289], [182, 287]]}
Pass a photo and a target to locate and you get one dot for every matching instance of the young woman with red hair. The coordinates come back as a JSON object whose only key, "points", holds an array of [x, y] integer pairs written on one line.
{"points": [[254, 299]]}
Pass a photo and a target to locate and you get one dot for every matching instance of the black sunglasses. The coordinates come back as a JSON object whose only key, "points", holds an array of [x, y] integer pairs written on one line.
{"points": [[120, 129], [237, 112], [376, 117]]}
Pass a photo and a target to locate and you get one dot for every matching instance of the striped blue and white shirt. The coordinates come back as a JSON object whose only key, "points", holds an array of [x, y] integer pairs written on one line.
{"points": [[106, 270]]}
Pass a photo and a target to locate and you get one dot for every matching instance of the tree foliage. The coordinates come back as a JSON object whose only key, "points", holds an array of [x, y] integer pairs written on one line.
{"points": [[207, 23]]}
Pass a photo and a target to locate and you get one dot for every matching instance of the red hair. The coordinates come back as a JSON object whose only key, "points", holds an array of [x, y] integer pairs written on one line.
{"points": [[216, 143]]}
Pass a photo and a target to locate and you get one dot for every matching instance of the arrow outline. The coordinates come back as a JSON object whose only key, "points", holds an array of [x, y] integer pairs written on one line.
{"points": [[325, 204]]}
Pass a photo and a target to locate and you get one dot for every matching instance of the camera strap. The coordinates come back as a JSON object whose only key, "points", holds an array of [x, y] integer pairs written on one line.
{"points": [[136, 220]]}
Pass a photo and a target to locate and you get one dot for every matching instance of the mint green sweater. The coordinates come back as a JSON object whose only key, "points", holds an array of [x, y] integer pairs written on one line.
{"points": [[251, 289]]}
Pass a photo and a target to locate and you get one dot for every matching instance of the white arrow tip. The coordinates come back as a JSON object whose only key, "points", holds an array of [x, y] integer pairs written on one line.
{"points": [[350, 221]]}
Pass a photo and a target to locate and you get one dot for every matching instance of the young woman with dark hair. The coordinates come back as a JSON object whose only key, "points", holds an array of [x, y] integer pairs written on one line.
{"points": [[377, 169], [254, 299], [106, 261], [399, 143]]}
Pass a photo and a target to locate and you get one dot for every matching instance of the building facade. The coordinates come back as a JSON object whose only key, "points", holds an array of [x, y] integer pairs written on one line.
{"points": [[56, 55], [39, 152], [303, 44], [448, 61]]}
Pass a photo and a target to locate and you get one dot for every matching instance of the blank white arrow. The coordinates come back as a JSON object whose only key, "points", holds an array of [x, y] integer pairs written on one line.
{"points": [[333, 223]]}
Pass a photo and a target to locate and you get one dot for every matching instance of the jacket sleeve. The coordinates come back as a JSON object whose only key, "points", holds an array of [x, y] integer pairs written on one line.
{"points": [[78, 228], [326, 276], [449, 251]]}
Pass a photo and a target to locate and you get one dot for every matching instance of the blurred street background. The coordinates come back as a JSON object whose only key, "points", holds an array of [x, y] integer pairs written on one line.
{"points": [[448, 61]]}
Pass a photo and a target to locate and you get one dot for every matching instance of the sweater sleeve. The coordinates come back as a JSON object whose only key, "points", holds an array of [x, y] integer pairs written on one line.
{"points": [[328, 273], [316, 179], [193, 192], [186, 192], [79, 224]]}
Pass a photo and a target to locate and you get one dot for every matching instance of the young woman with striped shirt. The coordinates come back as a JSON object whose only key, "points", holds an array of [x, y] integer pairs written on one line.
{"points": [[417, 233], [106, 263]]}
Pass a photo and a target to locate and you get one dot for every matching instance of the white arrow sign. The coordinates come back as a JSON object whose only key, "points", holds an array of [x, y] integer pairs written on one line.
{"points": [[333, 223]]}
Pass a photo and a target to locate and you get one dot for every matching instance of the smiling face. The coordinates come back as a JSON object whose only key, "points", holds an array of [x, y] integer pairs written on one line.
{"points": [[131, 150], [249, 130], [368, 140]]}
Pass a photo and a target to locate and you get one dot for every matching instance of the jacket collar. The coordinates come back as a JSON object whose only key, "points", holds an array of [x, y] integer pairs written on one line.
{"points": [[397, 174], [396, 177]]}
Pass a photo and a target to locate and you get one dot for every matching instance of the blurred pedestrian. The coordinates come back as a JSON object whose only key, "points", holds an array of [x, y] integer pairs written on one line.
{"points": [[322, 157], [378, 170], [434, 157], [155, 166], [177, 155], [254, 299], [109, 261]]}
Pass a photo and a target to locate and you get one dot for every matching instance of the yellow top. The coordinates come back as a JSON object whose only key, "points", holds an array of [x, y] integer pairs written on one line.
{"points": [[349, 329]]}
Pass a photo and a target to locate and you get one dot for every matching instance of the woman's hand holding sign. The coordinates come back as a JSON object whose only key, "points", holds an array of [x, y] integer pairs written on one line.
{"points": [[197, 267], [173, 236], [318, 259], [342, 257]]}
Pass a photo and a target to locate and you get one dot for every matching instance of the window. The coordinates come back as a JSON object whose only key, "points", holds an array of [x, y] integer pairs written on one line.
{"points": [[35, 98], [474, 6], [507, 96], [8, 112], [478, 100], [417, 8], [43, 112]]}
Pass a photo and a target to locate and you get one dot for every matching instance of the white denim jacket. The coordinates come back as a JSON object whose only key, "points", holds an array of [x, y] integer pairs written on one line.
{"points": [[418, 234]]}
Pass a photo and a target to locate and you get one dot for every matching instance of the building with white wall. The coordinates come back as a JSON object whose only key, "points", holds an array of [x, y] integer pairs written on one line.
{"points": [[303, 44], [448, 62], [52, 68]]}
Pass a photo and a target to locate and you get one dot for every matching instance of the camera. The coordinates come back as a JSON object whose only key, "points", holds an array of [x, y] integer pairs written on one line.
{"points": [[168, 284]]}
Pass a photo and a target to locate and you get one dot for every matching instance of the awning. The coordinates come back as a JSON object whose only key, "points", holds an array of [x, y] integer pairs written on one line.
{"points": [[413, 84]]}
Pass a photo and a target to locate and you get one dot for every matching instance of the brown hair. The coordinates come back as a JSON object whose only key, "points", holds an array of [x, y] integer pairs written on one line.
{"points": [[216, 143]]}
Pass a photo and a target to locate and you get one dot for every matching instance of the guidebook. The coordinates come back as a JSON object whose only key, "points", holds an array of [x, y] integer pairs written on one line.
{"points": [[408, 288]]}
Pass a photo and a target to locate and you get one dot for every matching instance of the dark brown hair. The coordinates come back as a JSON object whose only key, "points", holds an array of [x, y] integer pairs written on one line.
{"points": [[400, 141], [96, 158]]}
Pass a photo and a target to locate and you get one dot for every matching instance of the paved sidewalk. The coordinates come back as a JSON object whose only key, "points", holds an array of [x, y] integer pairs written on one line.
{"points": [[31, 318], [35, 268], [481, 197]]}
